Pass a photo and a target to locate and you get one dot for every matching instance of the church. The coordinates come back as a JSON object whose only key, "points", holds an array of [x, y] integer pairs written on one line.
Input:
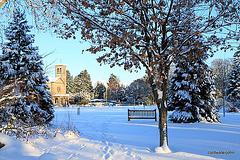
{"points": [[57, 86]]}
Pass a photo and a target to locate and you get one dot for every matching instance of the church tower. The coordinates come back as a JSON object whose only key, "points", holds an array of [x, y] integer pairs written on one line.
{"points": [[60, 71], [57, 86]]}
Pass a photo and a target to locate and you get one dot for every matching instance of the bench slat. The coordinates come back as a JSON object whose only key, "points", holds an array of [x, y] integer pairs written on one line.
{"points": [[142, 114]]}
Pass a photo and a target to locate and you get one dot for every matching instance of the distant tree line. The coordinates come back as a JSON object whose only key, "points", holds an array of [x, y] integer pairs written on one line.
{"points": [[199, 87], [82, 90]]}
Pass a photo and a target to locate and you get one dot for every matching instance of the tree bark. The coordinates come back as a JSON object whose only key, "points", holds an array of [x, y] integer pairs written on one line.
{"points": [[163, 126], [163, 115], [162, 109]]}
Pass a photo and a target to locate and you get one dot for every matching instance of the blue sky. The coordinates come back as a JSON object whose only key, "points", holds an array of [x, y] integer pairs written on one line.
{"points": [[69, 52]]}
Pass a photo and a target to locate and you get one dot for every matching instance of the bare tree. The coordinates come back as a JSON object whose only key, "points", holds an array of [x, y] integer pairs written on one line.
{"points": [[221, 68]]}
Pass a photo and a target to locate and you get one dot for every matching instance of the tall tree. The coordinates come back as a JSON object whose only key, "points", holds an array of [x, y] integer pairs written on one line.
{"points": [[208, 107], [233, 87], [140, 90], [99, 91], [69, 83], [22, 74], [149, 34], [184, 92], [113, 86], [192, 96], [221, 68], [83, 87], [191, 91]]}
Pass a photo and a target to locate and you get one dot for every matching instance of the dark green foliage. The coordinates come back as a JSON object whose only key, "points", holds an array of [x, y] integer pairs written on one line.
{"points": [[99, 91], [191, 94], [70, 82], [233, 87], [20, 63], [83, 87]]}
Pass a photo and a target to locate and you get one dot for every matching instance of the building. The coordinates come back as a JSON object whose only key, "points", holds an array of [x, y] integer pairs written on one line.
{"points": [[58, 86]]}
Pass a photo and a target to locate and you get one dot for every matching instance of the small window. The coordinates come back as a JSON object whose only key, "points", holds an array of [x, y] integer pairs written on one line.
{"points": [[57, 70], [60, 70]]}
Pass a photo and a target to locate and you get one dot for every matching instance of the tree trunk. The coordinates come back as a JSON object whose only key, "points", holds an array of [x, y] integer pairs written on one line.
{"points": [[163, 125], [160, 99], [1, 145], [163, 116]]}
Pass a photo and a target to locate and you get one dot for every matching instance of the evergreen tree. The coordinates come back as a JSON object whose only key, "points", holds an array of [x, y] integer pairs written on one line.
{"points": [[233, 87], [208, 92], [69, 83], [83, 87], [183, 97], [99, 91], [21, 63], [190, 93]]}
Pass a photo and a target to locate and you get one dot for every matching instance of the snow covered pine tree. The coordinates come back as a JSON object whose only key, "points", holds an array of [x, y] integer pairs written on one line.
{"points": [[190, 93], [83, 87], [21, 66], [233, 87]]}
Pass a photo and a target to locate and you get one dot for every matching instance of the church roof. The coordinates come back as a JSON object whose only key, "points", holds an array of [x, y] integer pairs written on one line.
{"points": [[61, 95], [60, 64], [53, 79]]}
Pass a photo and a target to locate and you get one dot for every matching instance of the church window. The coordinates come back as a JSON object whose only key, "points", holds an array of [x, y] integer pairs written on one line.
{"points": [[57, 70], [58, 89]]}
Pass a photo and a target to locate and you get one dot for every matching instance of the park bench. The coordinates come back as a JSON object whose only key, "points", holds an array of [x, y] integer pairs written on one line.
{"points": [[142, 114]]}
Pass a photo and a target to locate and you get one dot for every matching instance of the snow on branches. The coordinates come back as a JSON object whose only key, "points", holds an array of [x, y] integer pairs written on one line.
{"points": [[24, 97]]}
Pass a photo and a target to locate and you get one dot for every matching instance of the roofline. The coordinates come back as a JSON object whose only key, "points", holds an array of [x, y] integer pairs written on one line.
{"points": [[60, 65], [61, 95]]}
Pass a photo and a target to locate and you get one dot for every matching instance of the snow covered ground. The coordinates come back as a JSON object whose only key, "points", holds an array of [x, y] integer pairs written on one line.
{"points": [[105, 133]]}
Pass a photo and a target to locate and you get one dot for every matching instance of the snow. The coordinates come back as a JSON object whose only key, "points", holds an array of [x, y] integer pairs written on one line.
{"points": [[160, 94], [16, 149], [53, 79], [163, 149], [105, 133]]}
